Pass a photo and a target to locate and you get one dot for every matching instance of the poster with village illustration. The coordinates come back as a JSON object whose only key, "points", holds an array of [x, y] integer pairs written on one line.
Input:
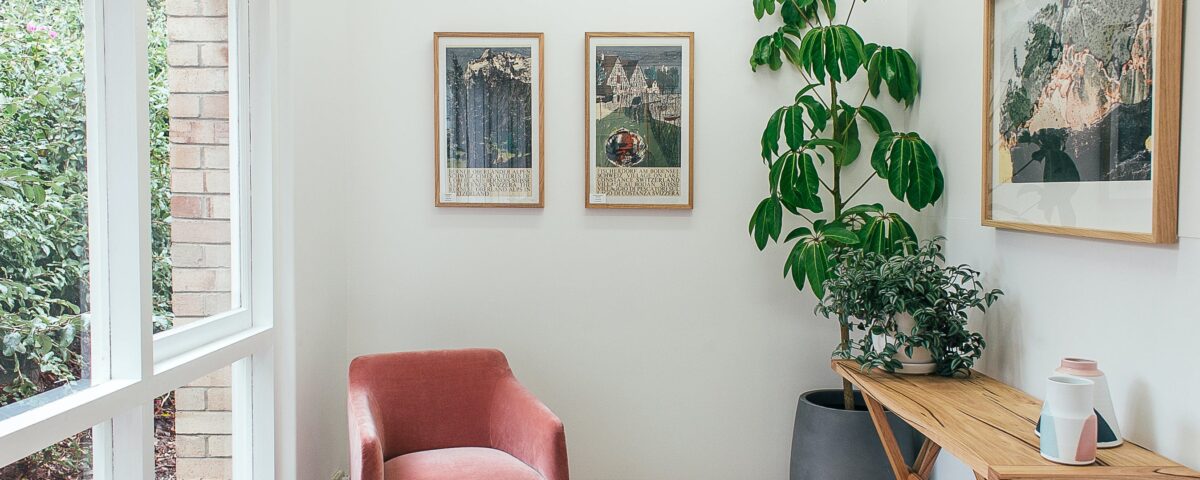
{"points": [[1072, 113], [639, 130], [489, 145]]}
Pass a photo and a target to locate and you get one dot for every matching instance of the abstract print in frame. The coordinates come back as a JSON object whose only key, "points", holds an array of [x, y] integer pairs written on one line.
{"points": [[1081, 117], [488, 120], [638, 118]]}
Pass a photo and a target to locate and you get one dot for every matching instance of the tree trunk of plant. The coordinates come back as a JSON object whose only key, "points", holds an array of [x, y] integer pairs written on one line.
{"points": [[847, 388]]}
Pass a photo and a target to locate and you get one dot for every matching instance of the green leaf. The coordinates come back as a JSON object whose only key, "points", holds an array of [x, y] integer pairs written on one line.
{"points": [[816, 112], [799, 183], [898, 169], [797, 233], [776, 46], [830, 7], [762, 52], [770, 137], [909, 165], [841, 234], [885, 233], [876, 119], [766, 222], [803, 93], [834, 50], [34, 193], [852, 52], [815, 257], [851, 144], [794, 265], [762, 7], [921, 176], [860, 210], [879, 154], [798, 12], [812, 52], [793, 126], [895, 68], [790, 50]]}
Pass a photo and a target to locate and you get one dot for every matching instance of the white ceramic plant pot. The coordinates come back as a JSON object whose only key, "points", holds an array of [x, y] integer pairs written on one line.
{"points": [[920, 362], [1068, 421]]}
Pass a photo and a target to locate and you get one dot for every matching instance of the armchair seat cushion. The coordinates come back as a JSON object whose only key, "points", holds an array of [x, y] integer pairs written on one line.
{"points": [[468, 463]]}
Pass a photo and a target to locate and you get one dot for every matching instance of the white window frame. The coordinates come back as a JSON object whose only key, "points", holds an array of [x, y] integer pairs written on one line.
{"points": [[130, 365]]}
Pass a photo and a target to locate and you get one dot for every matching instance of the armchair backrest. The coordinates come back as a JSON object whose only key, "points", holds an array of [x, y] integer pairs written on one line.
{"points": [[429, 400]]}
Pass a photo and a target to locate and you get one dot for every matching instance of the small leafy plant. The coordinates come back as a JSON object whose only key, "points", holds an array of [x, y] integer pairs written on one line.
{"points": [[869, 290]]}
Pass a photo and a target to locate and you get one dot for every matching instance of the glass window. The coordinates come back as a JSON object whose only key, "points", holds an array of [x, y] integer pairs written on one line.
{"points": [[191, 199], [194, 429], [69, 459], [44, 335]]}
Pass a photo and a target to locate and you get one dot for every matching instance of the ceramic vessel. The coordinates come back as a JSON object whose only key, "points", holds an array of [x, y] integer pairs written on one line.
{"points": [[830, 442], [1107, 430], [920, 362], [1068, 421]]}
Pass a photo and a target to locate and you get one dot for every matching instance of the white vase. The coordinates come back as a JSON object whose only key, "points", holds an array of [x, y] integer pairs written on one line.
{"points": [[1107, 430], [1068, 421], [920, 362]]}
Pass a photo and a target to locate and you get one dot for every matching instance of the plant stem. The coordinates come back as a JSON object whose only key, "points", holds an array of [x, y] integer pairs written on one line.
{"points": [[838, 205], [836, 191], [860, 187]]}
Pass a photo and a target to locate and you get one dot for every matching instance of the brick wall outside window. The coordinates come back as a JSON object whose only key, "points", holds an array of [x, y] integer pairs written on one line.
{"points": [[198, 80]]}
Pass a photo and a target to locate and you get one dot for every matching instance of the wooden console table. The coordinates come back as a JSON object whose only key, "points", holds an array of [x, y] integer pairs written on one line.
{"points": [[988, 425]]}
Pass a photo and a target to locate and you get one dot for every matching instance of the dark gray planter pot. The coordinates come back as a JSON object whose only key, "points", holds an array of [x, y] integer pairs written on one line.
{"points": [[831, 443]]}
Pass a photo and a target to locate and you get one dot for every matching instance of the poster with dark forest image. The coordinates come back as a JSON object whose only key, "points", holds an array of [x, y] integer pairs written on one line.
{"points": [[639, 120], [489, 122], [1082, 115]]}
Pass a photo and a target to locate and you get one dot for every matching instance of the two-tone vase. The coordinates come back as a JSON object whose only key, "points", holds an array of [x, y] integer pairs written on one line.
{"points": [[1107, 431], [1068, 421]]}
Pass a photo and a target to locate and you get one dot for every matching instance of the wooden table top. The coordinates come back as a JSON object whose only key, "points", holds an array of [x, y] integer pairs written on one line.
{"points": [[990, 426]]}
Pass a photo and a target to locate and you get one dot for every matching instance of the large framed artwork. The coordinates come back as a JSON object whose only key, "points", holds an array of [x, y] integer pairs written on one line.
{"points": [[488, 120], [1081, 117], [638, 117]]}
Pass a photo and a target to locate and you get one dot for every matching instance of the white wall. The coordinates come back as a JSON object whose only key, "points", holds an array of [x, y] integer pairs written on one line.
{"points": [[670, 347], [1130, 306], [311, 250]]}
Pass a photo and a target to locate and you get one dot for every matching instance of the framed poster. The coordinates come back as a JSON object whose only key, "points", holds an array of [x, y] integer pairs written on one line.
{"points": [[638, 117], [1081, 117], [488, 119]]}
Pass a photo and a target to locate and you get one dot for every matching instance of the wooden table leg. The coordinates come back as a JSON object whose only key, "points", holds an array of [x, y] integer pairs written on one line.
{"points": [[978, 476], [900, 469], [926, 458]]}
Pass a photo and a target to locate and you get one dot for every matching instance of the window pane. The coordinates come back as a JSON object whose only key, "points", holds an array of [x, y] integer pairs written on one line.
{"points": [[44, 338], [195, 430], [190, 160], [70, 459]]}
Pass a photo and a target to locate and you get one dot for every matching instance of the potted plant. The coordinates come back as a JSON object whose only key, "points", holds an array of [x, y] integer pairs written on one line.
{"points": [[911, 308], [810, 150]]}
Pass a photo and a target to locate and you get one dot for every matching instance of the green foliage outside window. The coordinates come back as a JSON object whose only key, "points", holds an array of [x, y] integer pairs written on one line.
{"points": [[44, 289]]}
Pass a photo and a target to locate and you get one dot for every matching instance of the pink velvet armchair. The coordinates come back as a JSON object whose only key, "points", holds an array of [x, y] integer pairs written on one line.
{"points": [[449, 415]]}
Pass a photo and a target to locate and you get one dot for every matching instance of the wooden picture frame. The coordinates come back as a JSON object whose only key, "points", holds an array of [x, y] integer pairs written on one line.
{"points": [[1115, 204], [651, 166], [489, 173]]}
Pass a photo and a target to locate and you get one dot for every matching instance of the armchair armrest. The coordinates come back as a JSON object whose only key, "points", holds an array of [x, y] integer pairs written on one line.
{"points": [[523, 427], [366, 446]]}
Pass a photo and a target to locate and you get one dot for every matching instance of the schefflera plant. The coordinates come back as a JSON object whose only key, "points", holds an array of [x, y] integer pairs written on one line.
{"points": [[821, 138]]}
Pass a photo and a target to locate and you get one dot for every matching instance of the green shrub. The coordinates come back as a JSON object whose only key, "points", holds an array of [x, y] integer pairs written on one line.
{"points": [[44, 291]]}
